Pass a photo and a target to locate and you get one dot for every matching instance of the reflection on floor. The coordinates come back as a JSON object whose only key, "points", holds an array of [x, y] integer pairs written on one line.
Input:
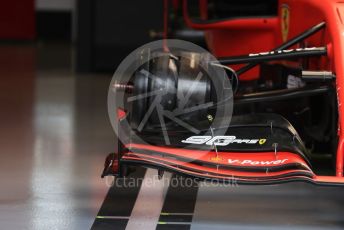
{"points": [[55, 136], [213, 206]]}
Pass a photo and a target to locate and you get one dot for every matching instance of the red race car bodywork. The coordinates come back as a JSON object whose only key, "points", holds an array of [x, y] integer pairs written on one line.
{"points": [[234, 37]]}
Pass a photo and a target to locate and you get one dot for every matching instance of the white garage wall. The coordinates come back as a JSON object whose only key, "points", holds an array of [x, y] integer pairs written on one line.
{"points": [[55, 5]]}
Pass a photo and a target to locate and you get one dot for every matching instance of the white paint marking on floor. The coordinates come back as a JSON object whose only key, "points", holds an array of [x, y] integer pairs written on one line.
{"points": [[146, 212]]}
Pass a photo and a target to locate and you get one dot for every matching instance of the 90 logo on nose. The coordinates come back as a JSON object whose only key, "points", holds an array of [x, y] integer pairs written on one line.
{"points": [[221, 140]]}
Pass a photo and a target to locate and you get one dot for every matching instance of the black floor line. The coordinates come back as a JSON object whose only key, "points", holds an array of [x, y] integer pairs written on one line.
{"points": [[177, 211], [118, 203], [179, 205]]}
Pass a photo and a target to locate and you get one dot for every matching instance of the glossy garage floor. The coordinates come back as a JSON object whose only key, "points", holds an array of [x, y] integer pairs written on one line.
{"points": [[55, 135]]}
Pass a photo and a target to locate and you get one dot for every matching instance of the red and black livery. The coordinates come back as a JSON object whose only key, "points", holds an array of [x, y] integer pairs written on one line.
{"points": [[288, 116]]}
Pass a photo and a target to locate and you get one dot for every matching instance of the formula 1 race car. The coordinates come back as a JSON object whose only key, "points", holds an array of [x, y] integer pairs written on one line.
{"points": [[285, 64]]}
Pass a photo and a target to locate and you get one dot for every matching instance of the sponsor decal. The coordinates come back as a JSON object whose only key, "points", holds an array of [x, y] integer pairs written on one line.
{"points": [[287, 51], [257, 163], [294, 82], [285, 21], [262, 141], [221, 140], [216, 159]]}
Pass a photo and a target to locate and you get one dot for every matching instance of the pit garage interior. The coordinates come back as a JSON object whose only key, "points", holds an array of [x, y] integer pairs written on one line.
{"points": [[57, 58]]}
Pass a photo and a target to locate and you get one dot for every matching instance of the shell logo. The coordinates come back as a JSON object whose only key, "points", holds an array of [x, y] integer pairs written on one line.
{"points": [[216, 159], [262, 141]]}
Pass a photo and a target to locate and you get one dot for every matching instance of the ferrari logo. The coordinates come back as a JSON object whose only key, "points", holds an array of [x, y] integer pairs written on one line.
{"points": [[285, 18]]}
